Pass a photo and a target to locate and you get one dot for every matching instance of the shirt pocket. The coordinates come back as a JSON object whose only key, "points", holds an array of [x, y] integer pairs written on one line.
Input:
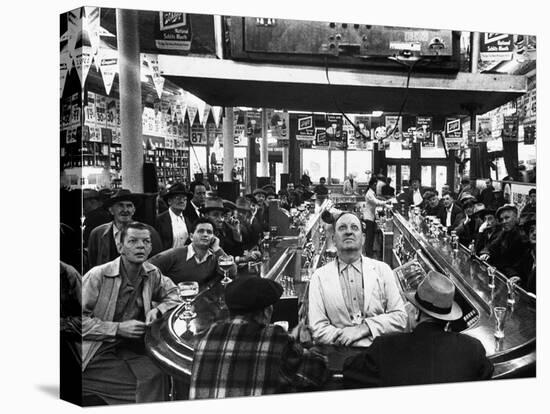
{"points": [[378, 302]]}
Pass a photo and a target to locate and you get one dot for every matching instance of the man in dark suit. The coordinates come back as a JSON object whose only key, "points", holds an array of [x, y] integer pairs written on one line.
{"points": [[192, 210], [434, 206], [429, 354], [413, 196], [452, 214], [173, 227]]}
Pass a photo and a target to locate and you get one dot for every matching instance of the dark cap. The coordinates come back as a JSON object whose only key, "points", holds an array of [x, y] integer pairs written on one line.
{"points": [[506, 207], [252, 293]]}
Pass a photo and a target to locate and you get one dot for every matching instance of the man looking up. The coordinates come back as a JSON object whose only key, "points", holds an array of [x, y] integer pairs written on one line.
{"points": [[119, 299], [172, 225], [198, 192], [353, 299]]}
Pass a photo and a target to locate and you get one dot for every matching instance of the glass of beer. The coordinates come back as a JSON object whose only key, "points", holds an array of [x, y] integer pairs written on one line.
{"points": [[226, 262], [491, 272], [500, 317], [188, 292]]}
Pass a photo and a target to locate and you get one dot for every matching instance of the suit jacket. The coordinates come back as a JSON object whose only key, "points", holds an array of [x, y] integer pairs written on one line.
{"points": [[190, 213], [428, 355], [457, 214], [163, 225], [349, 187], [102, 246], [506, 251], [383, 307]]}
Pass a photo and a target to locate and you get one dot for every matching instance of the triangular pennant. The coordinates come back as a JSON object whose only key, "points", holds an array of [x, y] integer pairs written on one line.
{"points": [[74, 27], [191, 113], [108, 66], [205, 113], [201, 106], [93, 21], [216, 114]]}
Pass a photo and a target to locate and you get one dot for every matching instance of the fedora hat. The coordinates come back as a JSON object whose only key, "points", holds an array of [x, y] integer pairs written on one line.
{"points": [[229, 205], [124, 194], [243, 204], [435, 297], [89, 194], [176, 189], [259, 191], [506, 207], [480, 210], [467, 197], [268, 187], [212, 204], [249, 294]]}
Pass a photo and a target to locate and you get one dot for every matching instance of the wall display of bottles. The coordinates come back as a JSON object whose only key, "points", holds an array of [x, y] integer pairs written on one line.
{"points": [[172, 164]]}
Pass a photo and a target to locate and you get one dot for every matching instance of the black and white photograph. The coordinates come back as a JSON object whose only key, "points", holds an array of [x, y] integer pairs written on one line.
{"points": [[268, 209]]}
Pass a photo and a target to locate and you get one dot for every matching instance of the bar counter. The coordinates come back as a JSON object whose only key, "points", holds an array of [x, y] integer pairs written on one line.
{"points": [[292, 258]]}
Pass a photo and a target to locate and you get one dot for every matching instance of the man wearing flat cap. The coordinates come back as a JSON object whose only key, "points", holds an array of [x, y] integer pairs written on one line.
{"points": [[429, 354], [245, 355], [509, 246], [172, 225], [433, 205], [487, 230], [103, 241]]}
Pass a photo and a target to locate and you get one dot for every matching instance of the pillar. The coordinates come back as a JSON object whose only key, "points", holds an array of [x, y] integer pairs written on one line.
{"points": [[130, 99], [264, 163], [228, 144]]}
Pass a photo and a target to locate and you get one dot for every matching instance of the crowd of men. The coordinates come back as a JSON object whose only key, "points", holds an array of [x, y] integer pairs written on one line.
{"points": [[502, 234], [133, 270]]}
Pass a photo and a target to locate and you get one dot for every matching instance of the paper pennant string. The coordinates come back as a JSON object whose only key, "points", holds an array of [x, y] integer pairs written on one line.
{"points": [[216, 114], [108, 66]]}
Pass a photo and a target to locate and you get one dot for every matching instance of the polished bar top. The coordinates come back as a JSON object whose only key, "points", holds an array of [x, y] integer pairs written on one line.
{"points": [[471, 278]]}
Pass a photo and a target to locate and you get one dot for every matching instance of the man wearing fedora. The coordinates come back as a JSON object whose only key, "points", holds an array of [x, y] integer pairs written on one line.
{"points": [[353, 299], [487, 231], [172, 226], [509, 246], [254, 356], [198, 191], [467, 228], [260, 195], [228, 231], [102, 244], [251, 228], [427, 355]]}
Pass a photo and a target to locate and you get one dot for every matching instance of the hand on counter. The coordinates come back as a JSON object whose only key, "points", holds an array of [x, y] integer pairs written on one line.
{"points": [[350, 334], [132, 329], [484, 257], [152, 316]]}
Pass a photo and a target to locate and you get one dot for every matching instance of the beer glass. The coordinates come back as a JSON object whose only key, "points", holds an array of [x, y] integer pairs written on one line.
{"points": [[500, 317], [491, 272], [226, 262], [188, 292]]}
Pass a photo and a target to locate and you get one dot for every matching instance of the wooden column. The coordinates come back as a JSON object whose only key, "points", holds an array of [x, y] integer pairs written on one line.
{"points": [[228, 145]]}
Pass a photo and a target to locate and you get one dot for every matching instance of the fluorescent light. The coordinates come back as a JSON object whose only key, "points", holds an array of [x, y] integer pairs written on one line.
{"points": [[377, 113]]}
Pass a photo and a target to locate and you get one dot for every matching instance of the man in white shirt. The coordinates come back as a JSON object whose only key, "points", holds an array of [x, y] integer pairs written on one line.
{"points": [[172, 226], [198, 197], [369, 214], [452, 215], [353, 299]]}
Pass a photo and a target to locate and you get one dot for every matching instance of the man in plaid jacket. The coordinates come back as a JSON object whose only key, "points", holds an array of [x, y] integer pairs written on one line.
{"points": [[245, 355]]}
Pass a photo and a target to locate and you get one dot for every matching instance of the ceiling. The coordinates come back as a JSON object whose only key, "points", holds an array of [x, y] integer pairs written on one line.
{"points": [[230, 83]]}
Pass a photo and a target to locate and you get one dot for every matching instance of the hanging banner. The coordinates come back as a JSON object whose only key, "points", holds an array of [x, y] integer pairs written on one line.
{"points": [[101, 111], [334, 124], [363, 135], [453, 133], [510, 128], [393, 128], [91, 23], [205, 113], [253, 123], [321, 139], [74, 26], [192, 113], [108, 66], [496, 47], [484, 132], [89, 110], [173, 31], [152, 62], [424, 130], [278, 124], [529, 134], [306, 130]]}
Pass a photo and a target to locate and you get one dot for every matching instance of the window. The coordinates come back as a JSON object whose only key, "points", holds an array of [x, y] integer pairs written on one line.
{"points": [[359, 162], [316, 162], [337, 166]]}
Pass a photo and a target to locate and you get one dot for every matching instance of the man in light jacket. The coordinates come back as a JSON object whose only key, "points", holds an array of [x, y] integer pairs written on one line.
{"points": [[353, 299], [119, 299]]}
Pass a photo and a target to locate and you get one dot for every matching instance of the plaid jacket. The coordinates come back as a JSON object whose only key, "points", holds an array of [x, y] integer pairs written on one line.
{"points": [[240, 357]]}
